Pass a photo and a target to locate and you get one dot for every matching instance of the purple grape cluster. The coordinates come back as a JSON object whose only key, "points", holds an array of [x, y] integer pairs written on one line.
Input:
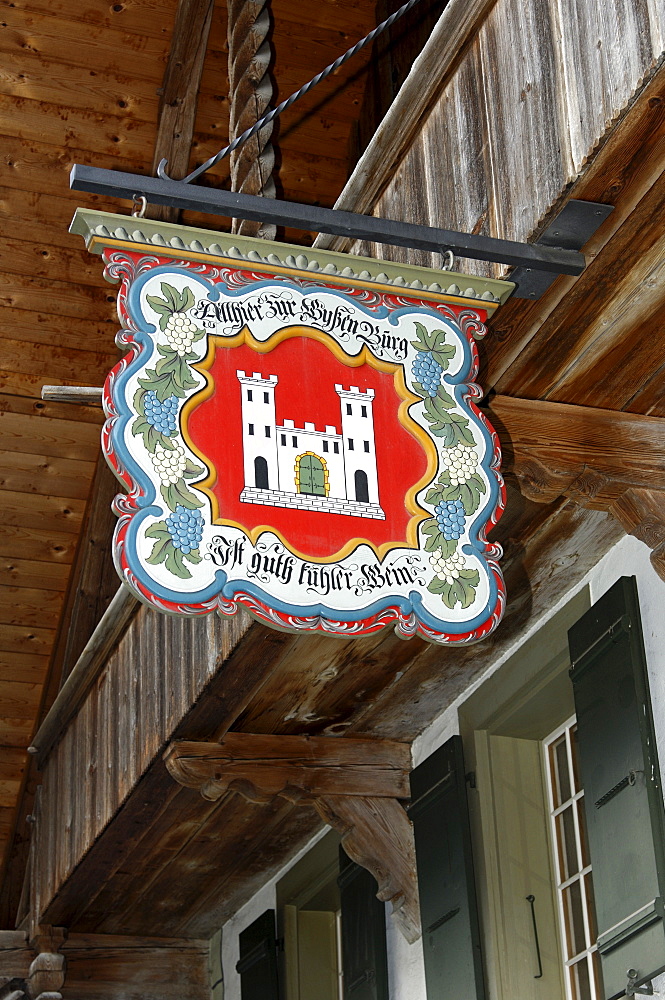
{"points": [[162, 416], [450, 517], [427, 372], [185, 528]]}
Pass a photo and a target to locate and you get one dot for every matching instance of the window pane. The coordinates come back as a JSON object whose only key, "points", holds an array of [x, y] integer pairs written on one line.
{"points": [[568, 864], [576, 756], [561, 777], [581, 819], [579, 975], [572, 903], [591, 909]]}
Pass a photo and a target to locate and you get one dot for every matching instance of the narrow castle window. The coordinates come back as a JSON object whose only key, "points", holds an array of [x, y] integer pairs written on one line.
{"points": [[363, 411], [349, 409], [283, 438], [266, 397], [294, 441], [325, 446], [336, 447], [249, 395], [268, 435], [366, 445], [251, 428], [350, 440]]}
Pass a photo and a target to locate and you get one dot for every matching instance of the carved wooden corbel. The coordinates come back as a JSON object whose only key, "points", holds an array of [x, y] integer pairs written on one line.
{"points": [[354, 784], [46, 975], [600, 459]]}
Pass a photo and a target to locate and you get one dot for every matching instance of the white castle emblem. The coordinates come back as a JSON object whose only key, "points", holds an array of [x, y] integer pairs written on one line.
{"points": [[306, 468]]}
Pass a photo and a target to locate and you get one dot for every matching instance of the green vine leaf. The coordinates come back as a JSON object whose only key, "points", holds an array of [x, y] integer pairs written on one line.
{"points": [[469, 493], [175, 564], [177, 493], [160, 551], [192, 469], [171, 364], [163, 385], [458, 592]]}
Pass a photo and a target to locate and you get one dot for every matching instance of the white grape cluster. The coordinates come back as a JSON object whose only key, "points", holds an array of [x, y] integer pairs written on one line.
{"points": [[169, 463], [180, 332], [461, 463], [447, 569]]}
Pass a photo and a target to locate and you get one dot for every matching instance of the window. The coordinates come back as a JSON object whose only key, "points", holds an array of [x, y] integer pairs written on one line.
{"points": [[261, 473], [366, 445], [573, 869], [362, 488], [325, 446], [266, 397], [363, 411], [267, 432], [249, 396], [283, 437], [350, 440], [336, 447], [294, 441], [251, 428], [349, 409]]}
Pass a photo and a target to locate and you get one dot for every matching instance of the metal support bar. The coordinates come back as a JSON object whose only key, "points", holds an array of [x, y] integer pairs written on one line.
{"points": [[216, 201]]}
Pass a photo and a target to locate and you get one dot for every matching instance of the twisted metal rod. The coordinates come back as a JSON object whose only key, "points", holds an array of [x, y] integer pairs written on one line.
{"points": [[271, 115]]}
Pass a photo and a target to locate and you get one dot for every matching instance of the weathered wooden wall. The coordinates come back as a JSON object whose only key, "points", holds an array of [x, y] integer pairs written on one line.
{"points": [[154, 677], [536, 92]]}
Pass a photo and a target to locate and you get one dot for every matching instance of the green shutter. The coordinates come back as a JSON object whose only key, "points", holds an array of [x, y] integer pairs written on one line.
{"points": [[364, 955], [451, 935], [258, 960], [621, 781]]}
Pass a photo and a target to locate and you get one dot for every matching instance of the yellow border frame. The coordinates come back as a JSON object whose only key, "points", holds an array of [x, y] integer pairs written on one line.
{"points": [[245, 337]]}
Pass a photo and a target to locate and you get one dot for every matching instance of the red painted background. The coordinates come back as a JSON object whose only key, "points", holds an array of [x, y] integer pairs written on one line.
{"points": [[307, 373]]}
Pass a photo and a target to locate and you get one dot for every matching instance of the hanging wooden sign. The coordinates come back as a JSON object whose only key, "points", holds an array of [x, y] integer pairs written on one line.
{"points": [[298, 434]]}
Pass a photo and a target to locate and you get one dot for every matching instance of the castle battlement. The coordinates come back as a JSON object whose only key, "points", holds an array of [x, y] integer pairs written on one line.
{"points": [[256, 378], [353, 392], [309, 428]]}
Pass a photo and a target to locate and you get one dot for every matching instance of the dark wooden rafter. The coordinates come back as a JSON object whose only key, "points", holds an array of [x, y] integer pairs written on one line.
{"points": [[250, 92], [601, 459], [355, 785], [179, 93]]}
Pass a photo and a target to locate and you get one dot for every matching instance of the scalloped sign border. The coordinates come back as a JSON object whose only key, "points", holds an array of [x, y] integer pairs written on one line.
{"points": [[443, 584]]}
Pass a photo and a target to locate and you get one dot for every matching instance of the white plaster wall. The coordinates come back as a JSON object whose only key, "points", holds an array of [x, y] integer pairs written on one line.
{"points": [[405, 962]]}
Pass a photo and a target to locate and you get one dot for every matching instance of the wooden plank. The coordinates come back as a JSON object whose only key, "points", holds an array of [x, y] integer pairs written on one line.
{"points": [[58, 438], [15, 732], [143, 17], [26, 509], [29, 606], [20, 257], [57, 363], [268, 765], [59, 37], [64, 299], [23, 472], [27, 667], [37, 543], [52, 411], [45, 329], [26, 639], [20, 700]]}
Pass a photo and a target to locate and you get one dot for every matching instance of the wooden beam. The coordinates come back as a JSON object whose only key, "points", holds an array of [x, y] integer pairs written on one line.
{"points": [[353, 784], [179, 93], [606, 460], [297, 767], [554, 443]]}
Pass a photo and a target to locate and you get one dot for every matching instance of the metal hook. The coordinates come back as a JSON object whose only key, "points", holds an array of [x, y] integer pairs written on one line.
{"points": [[447, 260], [139, 200]]}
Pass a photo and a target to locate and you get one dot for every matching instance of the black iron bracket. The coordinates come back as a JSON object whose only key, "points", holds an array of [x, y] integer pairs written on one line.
{"points": [[542, 258]]}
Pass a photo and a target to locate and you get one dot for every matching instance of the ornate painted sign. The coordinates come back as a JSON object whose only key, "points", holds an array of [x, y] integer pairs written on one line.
{"points": [[299, 435]]}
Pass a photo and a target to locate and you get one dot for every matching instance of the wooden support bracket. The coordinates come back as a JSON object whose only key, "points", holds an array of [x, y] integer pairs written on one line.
{"points": [[46, 975], [354, 784], [600, 459]]}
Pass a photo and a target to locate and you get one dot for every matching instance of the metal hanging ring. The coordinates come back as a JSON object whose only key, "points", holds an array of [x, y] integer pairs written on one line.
{"points": [[140, 203], [447, 260]]}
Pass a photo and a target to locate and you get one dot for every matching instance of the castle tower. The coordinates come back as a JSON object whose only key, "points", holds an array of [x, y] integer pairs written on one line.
{"points": [[362, 483], [259, 438]]}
